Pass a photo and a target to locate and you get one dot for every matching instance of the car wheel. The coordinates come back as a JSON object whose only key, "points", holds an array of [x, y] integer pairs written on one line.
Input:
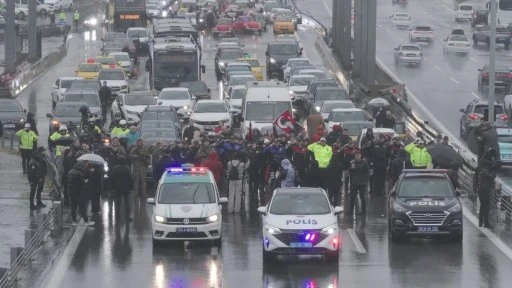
{"points": [[475, 40], [333, 257], [268, 258], [457, 238]]}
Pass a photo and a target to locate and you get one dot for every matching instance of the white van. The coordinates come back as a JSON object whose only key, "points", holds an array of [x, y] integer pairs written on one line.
{"points": [[264, 101]]}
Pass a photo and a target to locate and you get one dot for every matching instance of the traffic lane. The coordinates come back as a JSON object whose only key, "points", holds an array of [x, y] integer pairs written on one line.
{"points": [[418, 262]]}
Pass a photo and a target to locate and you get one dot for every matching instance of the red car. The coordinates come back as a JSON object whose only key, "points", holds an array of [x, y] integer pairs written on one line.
{"points": [[247, 23], [224, 27]]}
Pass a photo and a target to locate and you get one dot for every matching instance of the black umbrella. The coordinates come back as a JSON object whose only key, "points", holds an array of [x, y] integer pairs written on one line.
{"points": [[64, 141], [443, 155]]}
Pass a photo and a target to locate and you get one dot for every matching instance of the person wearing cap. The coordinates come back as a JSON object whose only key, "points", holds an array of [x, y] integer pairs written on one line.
{"points": [[28, 139], [36, 173], [63, 132], [420, 158], [120, 130], [140, 160], [322, 154]]}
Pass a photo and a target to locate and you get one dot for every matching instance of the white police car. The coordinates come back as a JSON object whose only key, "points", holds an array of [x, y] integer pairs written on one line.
{"points": [[187, 206], [300, 221]]}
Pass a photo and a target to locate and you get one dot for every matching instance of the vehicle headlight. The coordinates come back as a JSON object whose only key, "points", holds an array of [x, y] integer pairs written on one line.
{"points": [[292, 92], [105, 167], [317, 108], [164, 13], [272, 230], [185, 107], [272, 60], [201, 20], [22, 120], [330, 229], [455, 208], [55, 123], [93, 21], [213, 218], [159, 219], [399, 208]]}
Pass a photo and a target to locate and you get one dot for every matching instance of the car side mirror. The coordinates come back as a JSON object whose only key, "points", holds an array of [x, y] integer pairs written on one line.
{"points": [[267, 54], [203, 69], [49, 115], [209, 90], [223, 200], [338, 210], [262, 210], [457, 193], [461, 110], [194, 98], [151, 201]]}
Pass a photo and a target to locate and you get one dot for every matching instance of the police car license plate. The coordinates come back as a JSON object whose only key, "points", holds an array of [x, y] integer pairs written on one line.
{"points": [[186, 230], [428, 229], [301, 245], [9, 125]]}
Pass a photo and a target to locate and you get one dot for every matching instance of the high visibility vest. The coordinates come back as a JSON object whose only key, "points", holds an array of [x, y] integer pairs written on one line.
{"points": [[62, 16], [27, 139], [76, 16], [58, 148]]}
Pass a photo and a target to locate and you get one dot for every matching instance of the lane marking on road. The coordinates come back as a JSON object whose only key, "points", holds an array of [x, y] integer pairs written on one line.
{"points": [[327, 7], [472, 59], [493, 237], [455, 81], [475, 94], [65, 261], [438, 68], [357, 242]]}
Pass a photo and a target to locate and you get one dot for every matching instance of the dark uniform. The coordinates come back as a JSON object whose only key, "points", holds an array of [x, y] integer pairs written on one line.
{"points": [[36, 173]]}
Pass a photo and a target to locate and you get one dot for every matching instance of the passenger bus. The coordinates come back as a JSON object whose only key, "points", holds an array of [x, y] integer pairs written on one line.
{"points": [[127, 13]]}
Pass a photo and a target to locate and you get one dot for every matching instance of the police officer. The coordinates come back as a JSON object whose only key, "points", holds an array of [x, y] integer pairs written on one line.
{"points": [[36, 174], [27, 141], [120, 130], [140, 160], [62, 16], [76, 18], [52, 17], [63, 132], [322, 153], [420, 158]]}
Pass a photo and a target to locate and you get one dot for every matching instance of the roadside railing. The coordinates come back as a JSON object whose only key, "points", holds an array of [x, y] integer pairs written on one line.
{"points": [[8, 139]]}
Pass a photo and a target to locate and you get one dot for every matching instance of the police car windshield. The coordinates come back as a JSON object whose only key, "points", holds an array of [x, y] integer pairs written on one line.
{"points": [[300, 204], [186, 193], [504, 138], [422, 187]]}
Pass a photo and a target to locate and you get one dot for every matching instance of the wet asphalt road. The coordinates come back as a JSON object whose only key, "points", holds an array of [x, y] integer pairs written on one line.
{"points": [[117, 254], [444, 83]]}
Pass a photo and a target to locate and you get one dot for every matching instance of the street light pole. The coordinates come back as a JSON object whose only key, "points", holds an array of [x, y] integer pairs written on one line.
{"points": [[492, 61]]}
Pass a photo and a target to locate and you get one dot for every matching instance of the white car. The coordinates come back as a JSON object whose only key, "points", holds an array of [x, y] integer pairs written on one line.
{"points": [[116, 80], [207, 114], [46, 6], [293, 62], [153, 10], [124, 61], [236, 80], [187, 207], [409, 53], [60, 87], [177, 97], [464, 12], [235, 95], [140, 34], [300, 221], [329, 105], [401, 19], [456, 44], [421, 33], [298, 86], [136, 102], [340, 115]]}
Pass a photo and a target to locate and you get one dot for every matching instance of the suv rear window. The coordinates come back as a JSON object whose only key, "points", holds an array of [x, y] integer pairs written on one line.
{"points": [[479, 109], [423, 28]]}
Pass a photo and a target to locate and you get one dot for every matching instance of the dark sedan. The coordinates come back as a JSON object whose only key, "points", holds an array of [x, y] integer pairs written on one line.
{"points": [[12, 114], [502, 81], [65, 113], [198, 89]]}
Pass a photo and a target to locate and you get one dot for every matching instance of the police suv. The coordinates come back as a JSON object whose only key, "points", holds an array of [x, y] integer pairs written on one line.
{"points": [[424, 203], [187, 206], [300, 221]]}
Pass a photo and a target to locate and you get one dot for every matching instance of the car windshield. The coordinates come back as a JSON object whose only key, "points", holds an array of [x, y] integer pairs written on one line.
{"points": [[111, 75], [253, 63], [174, 95], [238, 94], [265, 111], [9, 107], [424, 187], [66, 83], [122, 57], [231, 68], [194, 86], [300, 204], [283, 49], [152, 7], [318, 74], [284, 13], [160, 115], [92, 100], [132, 100], [241, 80], [186, 193], [423, 28], [298, 62], [157, 124], [224, 21], [105, 60], [401, 15], [502, 30], [67, 111], [85, 85], [210, 108], [342, 116], [459, 38], [327, 108], [231, 54], [160, 134], [355, 128], [137, 33], [89, 68], [479, 109], [301, 81], [284, 18], [114, 35], [466, 7], [410, 48], [334, 94]]}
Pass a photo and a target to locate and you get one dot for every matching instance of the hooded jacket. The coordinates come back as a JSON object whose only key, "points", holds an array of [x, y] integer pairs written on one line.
{"points": [[213, 163], [77, 178], [121, 179], [162, 163], [398, 164], [287, 174], [36, 169], [335, 135]]}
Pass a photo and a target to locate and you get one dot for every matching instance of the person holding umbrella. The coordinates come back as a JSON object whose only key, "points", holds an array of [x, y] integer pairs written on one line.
{"points": [[420, 157]]}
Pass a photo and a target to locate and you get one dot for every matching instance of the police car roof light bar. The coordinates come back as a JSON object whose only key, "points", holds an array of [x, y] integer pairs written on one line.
{"points": [[424, 171]]}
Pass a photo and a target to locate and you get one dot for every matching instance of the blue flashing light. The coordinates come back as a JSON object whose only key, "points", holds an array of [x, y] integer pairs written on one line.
{"points": [[267, 243], [310, 237]]}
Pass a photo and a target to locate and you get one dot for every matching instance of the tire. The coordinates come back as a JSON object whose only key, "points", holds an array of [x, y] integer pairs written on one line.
{"points": [[268, 258], [457, 238], [333, 257], [217, 242], [461, 134]]}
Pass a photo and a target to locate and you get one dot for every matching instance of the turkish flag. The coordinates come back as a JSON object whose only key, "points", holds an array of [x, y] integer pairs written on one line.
{"points": [[286, 123]]}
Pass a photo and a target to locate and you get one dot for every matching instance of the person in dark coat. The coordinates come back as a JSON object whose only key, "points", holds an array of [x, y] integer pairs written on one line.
{"points": [[335, 135], [487, 138], [299, 158], [486, 176], [255, 172], [121, 181], [70, 156], [37, 171], [95, 186], [388, 121], [164, 162], [32, 121], [335, 178], [379, 115], [188, 132], [453, 174], [359, 176], [76, 182], [397, 165], [380, 165]]}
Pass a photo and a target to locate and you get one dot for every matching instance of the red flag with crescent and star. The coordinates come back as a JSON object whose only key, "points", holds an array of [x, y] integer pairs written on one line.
{"points": [[287, 124]]}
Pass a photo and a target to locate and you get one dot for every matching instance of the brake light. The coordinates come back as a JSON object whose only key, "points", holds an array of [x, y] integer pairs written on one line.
{"points": [[199, 169], [504, 117], [112, 65], [509, 75], [90, 61], [473, 116], [485, 75]]}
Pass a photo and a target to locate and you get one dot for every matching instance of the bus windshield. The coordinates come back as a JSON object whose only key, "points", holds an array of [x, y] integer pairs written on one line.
{"points": [[171, 69]]}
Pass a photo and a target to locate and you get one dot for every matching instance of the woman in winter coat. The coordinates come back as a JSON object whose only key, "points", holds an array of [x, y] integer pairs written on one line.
{"points": [[286, 174]]}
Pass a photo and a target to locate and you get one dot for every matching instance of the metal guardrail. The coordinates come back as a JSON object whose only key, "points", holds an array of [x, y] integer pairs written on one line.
{"points": [[7, 139]]}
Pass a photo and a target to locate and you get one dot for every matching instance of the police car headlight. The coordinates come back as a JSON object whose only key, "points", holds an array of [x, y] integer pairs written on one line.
{"points": [[272, 60], [213, 218], [272, 230], [201, 20], [330, 229], [93, 21], [164, 13], [317, 108], [399, 208], [159, 219], [105, 167], [185, 107], [455, 208]]}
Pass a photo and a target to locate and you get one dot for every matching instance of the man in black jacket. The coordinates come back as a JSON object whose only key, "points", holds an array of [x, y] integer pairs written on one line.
{"points": [[165, 161], [105, 98], [397, 165], [70, 156], [380, 165], [121, 181], [36, 173], [359, 176], [76, 182]]}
